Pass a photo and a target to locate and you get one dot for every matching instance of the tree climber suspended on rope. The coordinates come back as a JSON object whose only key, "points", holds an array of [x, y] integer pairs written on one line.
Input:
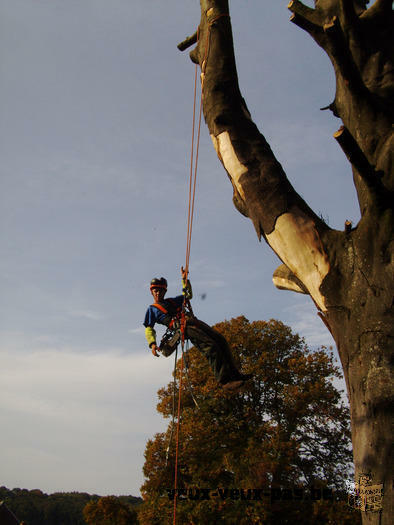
{"points": [[210, 342]]}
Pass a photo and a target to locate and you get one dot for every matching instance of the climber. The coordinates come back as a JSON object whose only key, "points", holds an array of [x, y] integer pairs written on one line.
{"points": [[210, 342]]}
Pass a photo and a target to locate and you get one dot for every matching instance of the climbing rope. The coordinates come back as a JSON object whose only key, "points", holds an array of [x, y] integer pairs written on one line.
{"points": [[194, 158], [192, 194], [193, 173], [189, 386], [173, 407], [177, 439]]}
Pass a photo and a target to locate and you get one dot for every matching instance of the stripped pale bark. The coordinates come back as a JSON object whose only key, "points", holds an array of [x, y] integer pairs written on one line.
{"points": [[348, 274]]}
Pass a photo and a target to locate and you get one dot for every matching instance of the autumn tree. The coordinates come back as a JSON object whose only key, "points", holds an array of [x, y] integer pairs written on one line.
{"points": [[287, 429], [109, 510], [348, 274]]}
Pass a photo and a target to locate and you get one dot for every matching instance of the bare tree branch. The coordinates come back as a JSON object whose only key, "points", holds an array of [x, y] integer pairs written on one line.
{"points": [[313, 29], [356, 157], [284, 279], [189, 41], [302, 11], [261, 189], [306, 18], [342, 56]]}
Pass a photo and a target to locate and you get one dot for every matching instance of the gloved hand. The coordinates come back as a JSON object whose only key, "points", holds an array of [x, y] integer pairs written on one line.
{"points": [[155, 348]]}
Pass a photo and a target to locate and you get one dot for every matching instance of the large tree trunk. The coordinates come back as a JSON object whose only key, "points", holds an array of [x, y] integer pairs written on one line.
{"points": [[348, 274]]}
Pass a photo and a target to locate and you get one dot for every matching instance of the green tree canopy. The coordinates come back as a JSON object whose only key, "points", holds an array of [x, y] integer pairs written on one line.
{"points": [[287, 428]]}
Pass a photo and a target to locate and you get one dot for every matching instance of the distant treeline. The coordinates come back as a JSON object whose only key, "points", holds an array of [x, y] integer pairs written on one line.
{"points": [[34, 507]]}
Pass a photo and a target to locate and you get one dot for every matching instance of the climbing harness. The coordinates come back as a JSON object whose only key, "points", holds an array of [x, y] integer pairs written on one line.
{"points": [[169, 342], [173, 335], [172, 313]]}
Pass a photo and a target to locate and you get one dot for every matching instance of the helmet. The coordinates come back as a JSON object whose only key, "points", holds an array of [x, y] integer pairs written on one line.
{"points": [[158, 283]]}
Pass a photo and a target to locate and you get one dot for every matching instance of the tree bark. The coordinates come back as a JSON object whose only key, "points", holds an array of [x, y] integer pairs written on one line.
{"points": [[348, 274]]}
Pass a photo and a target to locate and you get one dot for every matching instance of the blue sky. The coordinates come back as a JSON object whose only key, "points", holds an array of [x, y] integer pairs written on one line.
{"points": [[95, 130]]}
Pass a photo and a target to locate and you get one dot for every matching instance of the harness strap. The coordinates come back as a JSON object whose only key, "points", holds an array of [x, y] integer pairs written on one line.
{"points": [[160, 307], [164, 310]]}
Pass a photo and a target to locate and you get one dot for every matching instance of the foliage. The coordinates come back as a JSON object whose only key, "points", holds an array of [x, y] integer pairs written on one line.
{"points": [[287, 429], [62, 508], [109, 510]]}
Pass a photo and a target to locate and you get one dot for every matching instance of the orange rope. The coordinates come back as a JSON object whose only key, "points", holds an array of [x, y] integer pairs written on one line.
{"points": [[192, 194], [192, 177], [177, 440], [193, 173]]}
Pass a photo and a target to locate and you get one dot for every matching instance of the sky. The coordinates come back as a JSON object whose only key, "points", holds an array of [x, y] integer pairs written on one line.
{"points": [[95, 139]]}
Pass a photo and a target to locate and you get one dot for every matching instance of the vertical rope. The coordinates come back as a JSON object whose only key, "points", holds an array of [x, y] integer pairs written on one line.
{"points": [[189, 217], [177, 438], [193, 171], [192, 195]]}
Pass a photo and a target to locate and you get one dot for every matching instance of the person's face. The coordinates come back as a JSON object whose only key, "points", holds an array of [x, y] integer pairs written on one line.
{"points": [[158, 294]]}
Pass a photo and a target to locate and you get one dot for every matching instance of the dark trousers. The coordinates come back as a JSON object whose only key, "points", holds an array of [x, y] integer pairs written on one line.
{"points": [[215, 348]]}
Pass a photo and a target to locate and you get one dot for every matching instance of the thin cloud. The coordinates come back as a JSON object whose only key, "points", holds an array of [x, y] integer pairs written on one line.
{"points": [[304, 320], [81, 410]]}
